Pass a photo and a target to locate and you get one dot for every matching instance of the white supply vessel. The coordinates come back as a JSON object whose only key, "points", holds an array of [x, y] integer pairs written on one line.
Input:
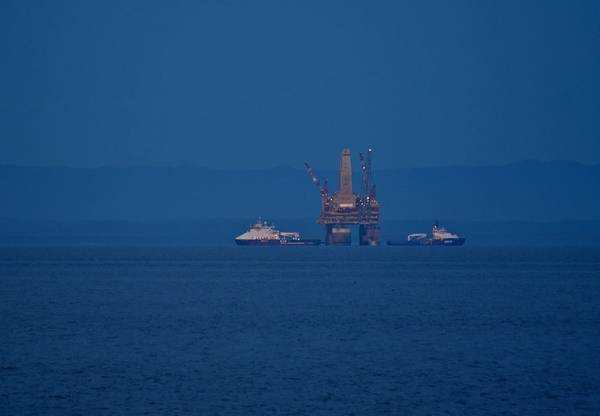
{"points": [[264, 234], [439, 237]]}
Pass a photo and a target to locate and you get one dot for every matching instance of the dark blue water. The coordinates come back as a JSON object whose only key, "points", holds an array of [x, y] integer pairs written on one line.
{"points": [[417, 331]]}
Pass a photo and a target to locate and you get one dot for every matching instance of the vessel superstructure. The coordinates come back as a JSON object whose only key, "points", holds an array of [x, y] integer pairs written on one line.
{"points": [[440, 236], [262, 233]]}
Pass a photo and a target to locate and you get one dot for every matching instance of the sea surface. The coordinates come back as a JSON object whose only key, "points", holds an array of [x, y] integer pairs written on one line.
{"points": [[305, 330]]}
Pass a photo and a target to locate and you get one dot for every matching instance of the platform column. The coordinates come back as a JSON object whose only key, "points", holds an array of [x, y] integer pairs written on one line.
{"points": [[338, 235], [368, 235]]}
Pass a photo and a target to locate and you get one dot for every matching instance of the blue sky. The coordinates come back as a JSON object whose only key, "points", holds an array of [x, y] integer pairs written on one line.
{"points": [[271, 83]]}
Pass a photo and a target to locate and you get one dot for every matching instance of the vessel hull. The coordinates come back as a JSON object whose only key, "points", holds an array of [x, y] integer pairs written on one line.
{"points": [[278, 242], [446, 242], [449, 242]]}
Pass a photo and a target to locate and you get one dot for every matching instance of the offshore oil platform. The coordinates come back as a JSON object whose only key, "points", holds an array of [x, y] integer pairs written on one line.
{"points": [[343, 209]]}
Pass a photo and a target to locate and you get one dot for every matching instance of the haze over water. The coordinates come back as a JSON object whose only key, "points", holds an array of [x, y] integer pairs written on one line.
{"points": [[125, 330]]}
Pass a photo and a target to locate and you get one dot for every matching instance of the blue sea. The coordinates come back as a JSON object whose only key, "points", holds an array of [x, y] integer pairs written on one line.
{"points": [[105, 330]]}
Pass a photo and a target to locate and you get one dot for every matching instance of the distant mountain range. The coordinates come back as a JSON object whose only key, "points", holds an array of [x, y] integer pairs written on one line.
{"points": [[524, 191]]}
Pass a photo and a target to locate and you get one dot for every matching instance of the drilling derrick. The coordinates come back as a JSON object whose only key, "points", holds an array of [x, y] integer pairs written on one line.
{"points": [[368, 229], [344, 208]]}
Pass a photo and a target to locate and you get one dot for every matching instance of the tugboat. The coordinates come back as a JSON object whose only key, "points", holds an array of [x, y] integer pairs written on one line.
{"points": [[264, 234], [439, 237]]}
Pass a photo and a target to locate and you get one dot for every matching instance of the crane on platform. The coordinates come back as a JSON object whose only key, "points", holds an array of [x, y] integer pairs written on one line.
{"points": [[323, 189]]}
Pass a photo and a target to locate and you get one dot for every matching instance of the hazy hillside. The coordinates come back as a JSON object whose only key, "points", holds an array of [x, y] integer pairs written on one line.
{"points": [[537, 191]]}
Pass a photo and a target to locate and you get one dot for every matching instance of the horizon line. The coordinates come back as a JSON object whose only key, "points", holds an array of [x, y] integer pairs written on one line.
{"points": [[290, 167]]}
